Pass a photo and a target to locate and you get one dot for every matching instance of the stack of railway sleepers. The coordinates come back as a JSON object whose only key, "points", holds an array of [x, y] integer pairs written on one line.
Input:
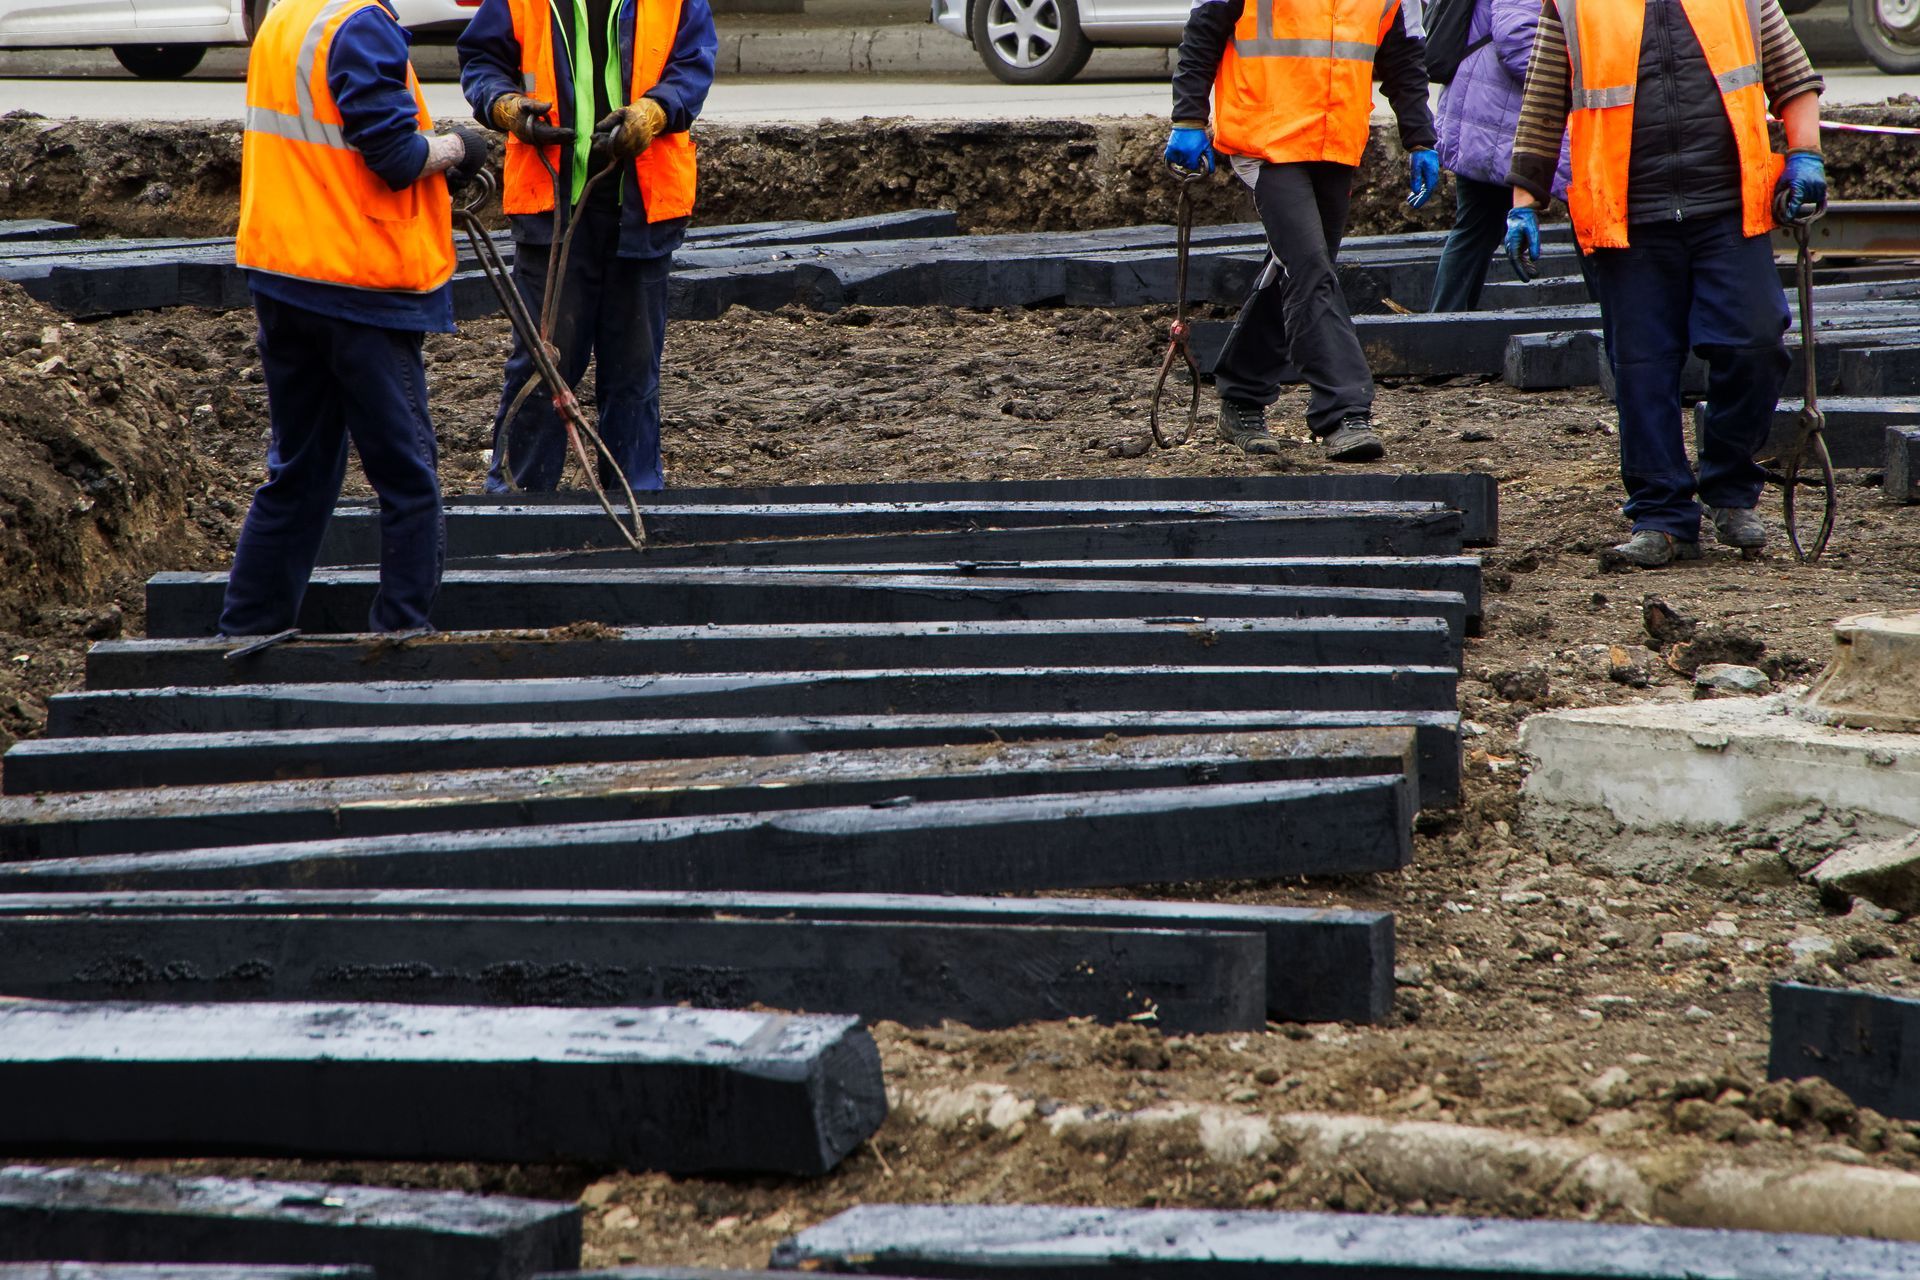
{"points": [[799, 753], [641, 730]]}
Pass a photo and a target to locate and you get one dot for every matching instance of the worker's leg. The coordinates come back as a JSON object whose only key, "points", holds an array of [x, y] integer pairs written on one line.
{"points": [[632, 330], [385, 387], [1739, 314], [306, 458], [1479, 224], [1304, 210], [535, 443], [1645, 297]]}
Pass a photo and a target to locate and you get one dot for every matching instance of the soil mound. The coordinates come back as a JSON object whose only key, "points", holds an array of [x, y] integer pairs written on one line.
{"points": [[96, 466]]}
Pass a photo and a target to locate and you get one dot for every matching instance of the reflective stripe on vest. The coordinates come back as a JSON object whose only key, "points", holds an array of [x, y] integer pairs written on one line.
{"points": [[310, 208], [1603, 55], [666, 171], [1296, 83]]}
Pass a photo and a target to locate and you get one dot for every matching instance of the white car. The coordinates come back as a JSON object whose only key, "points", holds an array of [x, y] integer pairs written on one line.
{"points": [[165, 39], [1049, 41]]}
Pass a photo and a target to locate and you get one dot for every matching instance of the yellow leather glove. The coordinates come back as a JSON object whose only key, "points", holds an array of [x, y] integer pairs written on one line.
{"points": [[525, 118], [624, 134]]}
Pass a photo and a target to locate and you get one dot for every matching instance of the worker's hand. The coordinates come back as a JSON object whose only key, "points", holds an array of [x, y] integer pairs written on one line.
{"points": [[525, 119], [1424, 169], [474, 153], [625, 133], [1801, 192], [1189, 148], [1523, 243]]}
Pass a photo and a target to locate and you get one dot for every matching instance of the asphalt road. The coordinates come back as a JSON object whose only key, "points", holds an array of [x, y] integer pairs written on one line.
{"points": [[791, 99]]}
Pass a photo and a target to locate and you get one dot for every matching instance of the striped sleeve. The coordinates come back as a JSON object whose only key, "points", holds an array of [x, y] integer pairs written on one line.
{"points": [[1784, 64], [1544, 106]]}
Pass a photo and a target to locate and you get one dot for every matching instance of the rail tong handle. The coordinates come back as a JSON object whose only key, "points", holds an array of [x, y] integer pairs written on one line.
{"points": [[1178, 348], [1810, 443]]}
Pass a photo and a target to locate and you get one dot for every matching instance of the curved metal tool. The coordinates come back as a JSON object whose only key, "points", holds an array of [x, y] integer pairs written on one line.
{"points": [[1178, 350], [1809, 448]]}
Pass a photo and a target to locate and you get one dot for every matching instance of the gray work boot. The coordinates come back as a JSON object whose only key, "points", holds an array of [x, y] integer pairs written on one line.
{"points": [[1354, 440], [1650, 549], [1245, 425], [1738, 527]]}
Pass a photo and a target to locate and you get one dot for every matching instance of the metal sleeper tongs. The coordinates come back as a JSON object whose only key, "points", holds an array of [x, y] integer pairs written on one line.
{"points": [[1178, 349], [535, 338], [1810, 441]]}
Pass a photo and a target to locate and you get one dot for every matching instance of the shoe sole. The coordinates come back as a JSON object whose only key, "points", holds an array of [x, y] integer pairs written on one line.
{"points": [[1370, 451]]}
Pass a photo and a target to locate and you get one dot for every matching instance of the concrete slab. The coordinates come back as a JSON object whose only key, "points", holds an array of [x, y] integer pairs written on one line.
{"points": [[1043, 1242], [675, 1090], [1690, 767], [96, 1215]]}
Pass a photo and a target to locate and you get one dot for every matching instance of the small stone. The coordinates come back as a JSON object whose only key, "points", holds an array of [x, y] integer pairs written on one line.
{"points": [[1263, 1192], [1612, 1088], [1684, 946], [1242, 1095], [1695, 1013], [1811, 948], [1665, 624], [725, 471], [1722, 677], [1522, 898], [597, 1194], [1410, 975], [1722, 929], [1569, 1106], [1528, 684], [1267, 1075]]}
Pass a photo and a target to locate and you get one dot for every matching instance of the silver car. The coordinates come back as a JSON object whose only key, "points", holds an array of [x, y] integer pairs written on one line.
{"points": [[1049, 41]]}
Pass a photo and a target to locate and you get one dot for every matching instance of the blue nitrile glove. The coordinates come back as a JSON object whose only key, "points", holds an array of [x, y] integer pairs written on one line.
{"points": [[1424, 166], [1189, 148], [1802, 189], [1523, 242]]}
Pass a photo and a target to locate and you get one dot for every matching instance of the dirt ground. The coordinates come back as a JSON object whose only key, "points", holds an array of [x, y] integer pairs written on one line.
{"points": [[1527, 975]]}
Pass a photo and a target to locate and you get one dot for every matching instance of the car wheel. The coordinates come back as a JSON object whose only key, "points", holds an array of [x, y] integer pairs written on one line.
{"points": [[1031, 41], [159, 61], [257, 11], [1889, 30]]}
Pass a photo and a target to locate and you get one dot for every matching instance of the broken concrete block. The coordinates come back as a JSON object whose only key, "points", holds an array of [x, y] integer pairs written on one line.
{"points": [[1886, 873], [677, 1090], [103, 1216], [1873, 681], [1903, 465], [1726, 677]]}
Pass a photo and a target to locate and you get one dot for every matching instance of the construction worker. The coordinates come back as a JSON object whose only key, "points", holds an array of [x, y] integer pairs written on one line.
{"points": [[591, 85], [1674, 190], [346, 233], [1291, 82]]}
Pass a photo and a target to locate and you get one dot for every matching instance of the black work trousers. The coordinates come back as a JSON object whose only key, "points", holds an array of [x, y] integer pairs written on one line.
{"points": [[1297, 310]]}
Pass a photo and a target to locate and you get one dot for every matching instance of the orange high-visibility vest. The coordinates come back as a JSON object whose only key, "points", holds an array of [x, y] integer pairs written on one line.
{"points": [[1296, 84], [666, 169], [1603, 46], [310, 208]]}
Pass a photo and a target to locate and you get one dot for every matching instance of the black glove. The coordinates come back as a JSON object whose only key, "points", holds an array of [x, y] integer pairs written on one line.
{"points": [[473, 157]]}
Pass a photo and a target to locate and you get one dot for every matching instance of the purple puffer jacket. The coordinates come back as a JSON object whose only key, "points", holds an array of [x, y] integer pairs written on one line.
{"points": [[1480, 109]]}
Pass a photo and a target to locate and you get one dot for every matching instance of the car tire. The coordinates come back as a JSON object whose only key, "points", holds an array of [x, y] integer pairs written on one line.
{"points": [[1889, 30], [1030, 41], [159, 61], [256, 13]]}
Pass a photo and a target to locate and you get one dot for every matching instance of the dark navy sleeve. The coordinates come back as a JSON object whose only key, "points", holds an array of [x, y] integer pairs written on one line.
{"points": [[367, 72], [1402, 64], [1204, 42], [489, 58], [688, 75]]}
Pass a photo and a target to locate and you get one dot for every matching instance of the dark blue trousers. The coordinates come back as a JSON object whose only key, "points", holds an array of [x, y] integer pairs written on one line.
{"points": [[613, 310], [1699, 284], [330, 381], [1479, 225]]}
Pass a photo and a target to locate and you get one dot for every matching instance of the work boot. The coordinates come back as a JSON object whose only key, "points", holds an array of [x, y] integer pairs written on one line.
{"points": [[1650, 549], [1354, 440], [1245, 425], [1738, 527]]}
